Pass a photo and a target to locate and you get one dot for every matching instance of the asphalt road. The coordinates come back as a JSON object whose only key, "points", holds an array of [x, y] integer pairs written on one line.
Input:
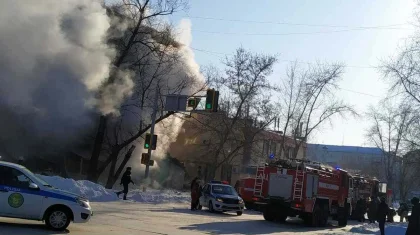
{"points": [[126, 218]]}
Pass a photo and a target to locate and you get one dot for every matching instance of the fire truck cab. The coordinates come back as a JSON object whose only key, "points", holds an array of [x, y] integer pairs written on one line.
{"points": [[305, 189]]}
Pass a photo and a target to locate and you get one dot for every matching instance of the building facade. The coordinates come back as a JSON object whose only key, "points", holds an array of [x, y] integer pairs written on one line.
{"points": [[369, 161]]}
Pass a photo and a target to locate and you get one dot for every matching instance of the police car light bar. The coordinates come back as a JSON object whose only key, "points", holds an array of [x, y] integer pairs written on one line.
{"points": [[219, 182]]}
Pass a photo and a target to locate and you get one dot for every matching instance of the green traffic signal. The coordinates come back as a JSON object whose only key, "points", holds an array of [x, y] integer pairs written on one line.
{"points": [[146, 145], [208, 106]]}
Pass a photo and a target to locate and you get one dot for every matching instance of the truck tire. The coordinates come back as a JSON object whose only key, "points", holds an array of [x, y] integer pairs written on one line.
{"points": [[343, 216], [316, 216], [281, 218], [268, 214], [324, 217]]}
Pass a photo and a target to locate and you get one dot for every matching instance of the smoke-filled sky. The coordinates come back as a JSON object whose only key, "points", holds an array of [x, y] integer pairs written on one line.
{"points": [[53, 60]]}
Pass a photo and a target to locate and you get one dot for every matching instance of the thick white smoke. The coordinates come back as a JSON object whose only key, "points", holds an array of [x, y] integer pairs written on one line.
{"points": [[167, 130], [53, 62]]}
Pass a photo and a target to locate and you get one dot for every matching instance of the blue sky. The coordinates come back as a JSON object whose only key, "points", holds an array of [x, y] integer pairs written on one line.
{"points": [[356, 48]]}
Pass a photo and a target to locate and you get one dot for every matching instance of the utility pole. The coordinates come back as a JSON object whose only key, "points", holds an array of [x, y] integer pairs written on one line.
{"points": [[152, 130]]}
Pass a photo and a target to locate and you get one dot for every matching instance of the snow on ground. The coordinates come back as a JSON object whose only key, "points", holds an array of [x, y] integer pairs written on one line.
{"points": [[390, 228], [98, 193]]}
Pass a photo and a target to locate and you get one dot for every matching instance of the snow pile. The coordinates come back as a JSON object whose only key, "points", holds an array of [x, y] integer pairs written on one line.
{"points": [[390, 228], [159, 196], [94, 192], [98, 193]]}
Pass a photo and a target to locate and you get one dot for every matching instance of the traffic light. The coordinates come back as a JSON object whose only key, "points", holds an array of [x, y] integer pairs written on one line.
{"points": [[145, 158], [212, 100], [150, 142], [193, 102]]}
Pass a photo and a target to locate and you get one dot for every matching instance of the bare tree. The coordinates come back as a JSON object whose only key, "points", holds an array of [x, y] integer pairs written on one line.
{"points": [[307, 101], [390, 125], [244, 107], [143, 37]]}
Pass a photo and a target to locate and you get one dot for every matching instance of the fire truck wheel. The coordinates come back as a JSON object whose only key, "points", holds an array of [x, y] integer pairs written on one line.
{"points": [[281, 218], [211, 207], [324, 216], [268, 215], [316, 216]]}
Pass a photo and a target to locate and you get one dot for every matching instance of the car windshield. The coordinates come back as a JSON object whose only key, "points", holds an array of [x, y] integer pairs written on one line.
{"points": [[33, 176], [224, 189]]}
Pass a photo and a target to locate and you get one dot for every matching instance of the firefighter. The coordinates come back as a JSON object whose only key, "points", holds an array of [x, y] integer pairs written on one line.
{"points": [[414, 219], [381, 214], [373, 206], [125, 181], [403, 212], [360, 210], [195, 193]]}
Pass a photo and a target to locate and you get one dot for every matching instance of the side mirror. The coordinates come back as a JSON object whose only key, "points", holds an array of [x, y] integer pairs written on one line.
{"points": [[33, 186], [239, 195]]}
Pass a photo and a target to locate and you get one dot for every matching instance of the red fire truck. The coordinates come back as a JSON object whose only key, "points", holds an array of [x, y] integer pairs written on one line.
{"points": [[364, 187], [305, 189]]}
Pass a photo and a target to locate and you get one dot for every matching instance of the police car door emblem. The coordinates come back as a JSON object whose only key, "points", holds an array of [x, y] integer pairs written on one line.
{"points": [[15, 200]]}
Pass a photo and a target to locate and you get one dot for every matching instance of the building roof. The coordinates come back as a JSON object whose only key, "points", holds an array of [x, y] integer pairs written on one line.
{"points": [[347, 149]]}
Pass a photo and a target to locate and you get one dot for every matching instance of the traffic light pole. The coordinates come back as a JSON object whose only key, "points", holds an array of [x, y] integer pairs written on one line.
{"points": [[152, 131]]}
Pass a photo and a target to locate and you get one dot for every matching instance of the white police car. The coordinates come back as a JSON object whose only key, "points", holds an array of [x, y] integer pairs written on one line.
{"points": [[24, 195], [219, 196]]}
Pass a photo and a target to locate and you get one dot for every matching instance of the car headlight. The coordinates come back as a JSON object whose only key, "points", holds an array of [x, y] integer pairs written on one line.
{"points": [[83, 203], [241, 201], [219, 199]]}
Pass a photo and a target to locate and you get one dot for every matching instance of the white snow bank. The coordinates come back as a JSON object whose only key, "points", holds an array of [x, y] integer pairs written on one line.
{"points": [[159, 196], [98, 193], [94, 192], [390, 228]]}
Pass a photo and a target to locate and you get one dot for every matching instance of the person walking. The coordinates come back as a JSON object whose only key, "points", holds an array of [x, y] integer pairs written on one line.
{"points": [[381, 215], [403, 212], [195, 192], [360, 210], [373, 206], [414, 220], [125, 181]]}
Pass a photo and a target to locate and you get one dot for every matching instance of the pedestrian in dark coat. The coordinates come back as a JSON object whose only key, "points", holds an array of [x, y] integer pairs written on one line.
{"points": [[125, 181], [414, 219], [381, 215], [195, 193], [360, 210], [403, 212], [373, 207]]}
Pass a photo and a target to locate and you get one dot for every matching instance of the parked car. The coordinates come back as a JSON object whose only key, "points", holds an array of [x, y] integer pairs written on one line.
{"points": [[24, 195], [217, 196]]}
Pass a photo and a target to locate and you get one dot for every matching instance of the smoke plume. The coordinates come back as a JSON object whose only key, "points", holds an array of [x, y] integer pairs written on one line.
{"points": [[185, 68], [53, 63]]}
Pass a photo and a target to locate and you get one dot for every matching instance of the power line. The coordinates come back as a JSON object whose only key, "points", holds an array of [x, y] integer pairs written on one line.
{"points": [[344, 89], [293, 61], [293, 24], [294, 33]]}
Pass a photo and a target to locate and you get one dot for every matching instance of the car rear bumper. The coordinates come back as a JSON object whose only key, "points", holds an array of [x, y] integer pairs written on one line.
{"points": [[82, 215], [219, 206]]}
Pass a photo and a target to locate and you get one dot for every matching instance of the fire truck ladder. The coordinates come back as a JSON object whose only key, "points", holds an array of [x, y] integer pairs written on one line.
{"points": [[299, 181], [259, 181]]}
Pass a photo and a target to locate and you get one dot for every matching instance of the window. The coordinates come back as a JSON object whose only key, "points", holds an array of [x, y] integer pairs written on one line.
{"points": [[14, 178], [223, 189]]}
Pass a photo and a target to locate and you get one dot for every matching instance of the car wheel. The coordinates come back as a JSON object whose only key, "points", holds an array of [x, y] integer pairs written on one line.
{"points": [[239, 213], [199, 207], [211, 209], [58, 219]]}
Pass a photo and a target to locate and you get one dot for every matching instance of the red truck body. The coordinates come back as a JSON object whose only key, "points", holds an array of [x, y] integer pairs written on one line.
{"points": [[293, 187]]}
